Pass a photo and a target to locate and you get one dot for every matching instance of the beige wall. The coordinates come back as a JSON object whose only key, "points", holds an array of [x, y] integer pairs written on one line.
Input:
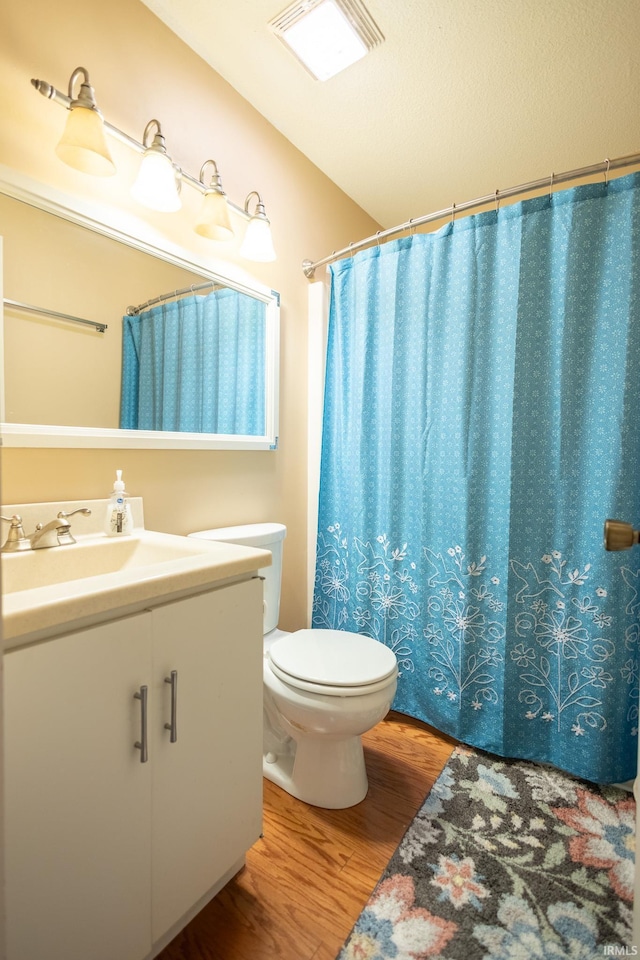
{"points": [[57, 372], [142, 71]]}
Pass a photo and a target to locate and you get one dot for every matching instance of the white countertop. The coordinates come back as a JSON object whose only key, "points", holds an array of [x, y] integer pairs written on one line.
{"points": [[48, 592]]}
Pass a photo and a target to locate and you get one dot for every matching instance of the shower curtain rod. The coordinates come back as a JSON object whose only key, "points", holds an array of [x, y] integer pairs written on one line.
{"points": [[29, 308], [605, 166], [193, 289]]}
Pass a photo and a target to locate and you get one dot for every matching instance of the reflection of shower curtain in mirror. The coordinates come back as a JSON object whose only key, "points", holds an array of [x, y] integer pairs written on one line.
{"points": [[482, 419], [196, 365]]}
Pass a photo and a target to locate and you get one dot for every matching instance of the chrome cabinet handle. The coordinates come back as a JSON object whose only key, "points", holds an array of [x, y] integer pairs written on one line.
{"points": [[173, 726], [141, 744]]}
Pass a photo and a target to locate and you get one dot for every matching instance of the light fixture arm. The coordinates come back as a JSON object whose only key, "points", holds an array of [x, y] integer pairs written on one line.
{"points": [[215, 184], [158, 139], [259, 212], [50, 92], [86, 95]]}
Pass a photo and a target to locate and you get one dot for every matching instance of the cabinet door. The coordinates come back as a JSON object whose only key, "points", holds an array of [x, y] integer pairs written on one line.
{"points": [[207, 786], [77, 833]]}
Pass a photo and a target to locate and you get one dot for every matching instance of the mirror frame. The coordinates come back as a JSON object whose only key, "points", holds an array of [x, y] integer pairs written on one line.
{"points": [[137, 234]]}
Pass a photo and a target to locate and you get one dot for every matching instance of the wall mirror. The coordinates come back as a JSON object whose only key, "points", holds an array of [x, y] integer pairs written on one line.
{"points": [[68, 384]]}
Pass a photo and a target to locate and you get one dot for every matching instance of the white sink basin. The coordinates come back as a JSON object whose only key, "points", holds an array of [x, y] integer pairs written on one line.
{"points": [[50, 591], [29, 569]]}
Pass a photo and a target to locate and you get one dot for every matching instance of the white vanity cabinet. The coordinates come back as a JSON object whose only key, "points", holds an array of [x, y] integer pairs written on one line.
{"points": [[77, 801], [107, 856], [207, 785]]}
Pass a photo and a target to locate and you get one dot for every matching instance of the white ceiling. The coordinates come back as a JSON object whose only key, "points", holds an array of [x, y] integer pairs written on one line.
{"points": [[463, 97]]}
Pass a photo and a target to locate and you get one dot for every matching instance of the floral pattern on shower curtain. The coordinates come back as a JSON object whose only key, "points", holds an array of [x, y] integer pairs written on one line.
{"points": [[481, 422]]}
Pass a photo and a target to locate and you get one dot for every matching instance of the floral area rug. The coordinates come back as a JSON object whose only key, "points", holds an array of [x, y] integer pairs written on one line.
{"points": [[506, 860]]}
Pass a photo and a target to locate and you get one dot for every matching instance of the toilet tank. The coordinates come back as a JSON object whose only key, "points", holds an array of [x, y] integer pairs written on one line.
{"points": [[266, 536]]}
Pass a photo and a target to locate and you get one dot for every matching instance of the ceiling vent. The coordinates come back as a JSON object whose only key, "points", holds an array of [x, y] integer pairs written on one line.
{"points": [[327, 36]]}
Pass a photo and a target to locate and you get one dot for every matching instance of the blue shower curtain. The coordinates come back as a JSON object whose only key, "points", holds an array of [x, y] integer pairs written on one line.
{"points": [[482, 419], [197, 365]]}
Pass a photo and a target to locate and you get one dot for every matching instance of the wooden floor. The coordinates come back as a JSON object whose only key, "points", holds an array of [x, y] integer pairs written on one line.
{"points": [[308, 878]]}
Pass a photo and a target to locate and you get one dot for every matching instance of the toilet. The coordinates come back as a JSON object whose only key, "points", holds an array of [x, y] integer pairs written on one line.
{"points": [[322, 690]]}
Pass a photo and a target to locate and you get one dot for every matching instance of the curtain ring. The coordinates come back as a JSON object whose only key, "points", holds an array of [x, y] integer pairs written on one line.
{"points": [[412, 228], [606, 172], [551, 179], [497, 201], [453, 212], [378, 237]]}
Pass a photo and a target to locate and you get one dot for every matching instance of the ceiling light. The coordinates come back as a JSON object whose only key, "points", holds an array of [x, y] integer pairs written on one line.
{"points": [[327, 35], [159, 179], [157, 183], [83, 145], [214, 221], [258, 243]]}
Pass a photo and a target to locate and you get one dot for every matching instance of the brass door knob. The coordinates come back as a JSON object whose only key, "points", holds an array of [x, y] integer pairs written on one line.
{"points": [[619, 535]]}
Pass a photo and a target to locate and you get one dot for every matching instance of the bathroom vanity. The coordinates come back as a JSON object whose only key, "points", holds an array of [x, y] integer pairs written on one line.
{"points": [[133, 755]]}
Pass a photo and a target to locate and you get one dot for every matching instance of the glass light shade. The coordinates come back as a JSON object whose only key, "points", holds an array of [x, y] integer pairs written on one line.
{"points": [[83, 145], [156, 185], [214, 221], [258, 242]]}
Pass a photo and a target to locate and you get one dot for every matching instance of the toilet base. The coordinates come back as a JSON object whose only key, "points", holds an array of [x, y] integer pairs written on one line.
{"points": [[329, 774]]}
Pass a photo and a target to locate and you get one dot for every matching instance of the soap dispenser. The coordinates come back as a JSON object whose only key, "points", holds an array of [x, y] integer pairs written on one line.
{"points": [[118, 521]]}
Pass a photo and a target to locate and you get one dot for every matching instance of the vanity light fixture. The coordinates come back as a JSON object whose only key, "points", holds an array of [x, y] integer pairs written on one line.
{"points": [[157, 185], [159, 180], [214, 221], [327, 36], [257, 243], [83, 145]]}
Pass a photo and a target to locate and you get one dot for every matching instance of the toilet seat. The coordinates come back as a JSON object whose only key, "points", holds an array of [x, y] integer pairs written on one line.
{"points": [[332, 662]]}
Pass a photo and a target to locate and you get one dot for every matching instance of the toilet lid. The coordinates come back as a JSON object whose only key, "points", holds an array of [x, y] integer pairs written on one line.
{"points": [[333, 657]]}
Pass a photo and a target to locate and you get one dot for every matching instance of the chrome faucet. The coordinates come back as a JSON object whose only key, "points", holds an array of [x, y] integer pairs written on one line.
{"points": [[51, 534], [56, 533]]}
